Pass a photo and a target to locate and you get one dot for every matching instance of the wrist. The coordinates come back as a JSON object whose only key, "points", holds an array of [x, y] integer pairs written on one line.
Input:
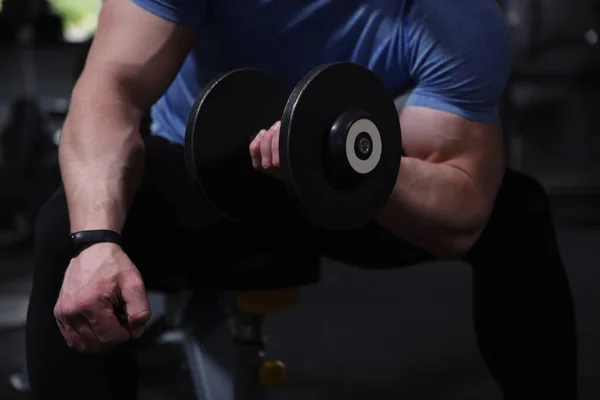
{"points": [[85, 215], [97, 248], [105, 223]]}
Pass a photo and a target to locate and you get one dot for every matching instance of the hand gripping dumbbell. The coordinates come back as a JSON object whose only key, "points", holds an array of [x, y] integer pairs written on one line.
{"points": [[340, 145]]}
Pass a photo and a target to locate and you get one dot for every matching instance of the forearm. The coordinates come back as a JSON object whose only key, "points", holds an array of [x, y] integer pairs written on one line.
{"points": [[435, 207], [101, 157]]}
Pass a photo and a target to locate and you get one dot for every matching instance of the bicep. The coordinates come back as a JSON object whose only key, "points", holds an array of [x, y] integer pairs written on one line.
{"points": [[444, 138], [136, 49]]}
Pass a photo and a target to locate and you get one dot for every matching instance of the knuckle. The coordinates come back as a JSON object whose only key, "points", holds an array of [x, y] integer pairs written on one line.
{"points": [[258, 138], [142, 316], [104, 297], [68, 310], [104, 285], [58, 311], [85, 305]]}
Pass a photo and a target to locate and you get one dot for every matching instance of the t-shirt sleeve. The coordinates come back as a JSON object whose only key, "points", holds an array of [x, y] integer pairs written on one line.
{"points": [[459, 57], [187, 13]]}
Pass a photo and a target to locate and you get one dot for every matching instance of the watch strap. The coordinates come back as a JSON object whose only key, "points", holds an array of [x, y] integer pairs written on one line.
{"points": [[83, 238]]}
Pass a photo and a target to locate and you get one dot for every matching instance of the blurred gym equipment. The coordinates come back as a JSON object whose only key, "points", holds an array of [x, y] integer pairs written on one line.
{"points": [[29, 170], [14, 14], [223, 341], [79, 18], [549, 110], [28, 162]]}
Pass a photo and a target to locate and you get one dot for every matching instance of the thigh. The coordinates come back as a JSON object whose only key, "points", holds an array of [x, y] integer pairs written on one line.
{"points": [[175, 239], [178, 239], [371, 247]]}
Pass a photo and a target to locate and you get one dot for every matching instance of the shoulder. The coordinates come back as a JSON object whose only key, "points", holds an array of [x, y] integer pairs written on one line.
{"points": [[459, 55], [187, 13], [457, 25]]}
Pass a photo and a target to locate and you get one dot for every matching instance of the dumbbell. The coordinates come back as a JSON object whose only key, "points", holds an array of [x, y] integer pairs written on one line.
{"points": [[340, 146]]}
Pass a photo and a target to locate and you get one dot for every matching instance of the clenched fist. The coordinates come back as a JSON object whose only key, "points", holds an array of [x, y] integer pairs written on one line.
{"points": [[264, 151], [102, 302]]}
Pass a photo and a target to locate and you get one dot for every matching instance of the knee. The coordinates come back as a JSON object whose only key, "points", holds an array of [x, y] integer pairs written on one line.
{"points": [[523, 196], [522, 208], [521, 220]]}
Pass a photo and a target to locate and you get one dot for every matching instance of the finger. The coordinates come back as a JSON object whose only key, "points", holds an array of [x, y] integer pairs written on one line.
{"points": [[112, 332], [265, 150], [275, 149], [77, 342], [136, 305], [255, 150], [89, 343], [61, 327], [87, 318], [275, 126], [107, 328], [65, 333]]}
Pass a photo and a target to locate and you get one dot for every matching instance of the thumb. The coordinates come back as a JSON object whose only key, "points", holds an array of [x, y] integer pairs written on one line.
{"points": [[136, 305]]}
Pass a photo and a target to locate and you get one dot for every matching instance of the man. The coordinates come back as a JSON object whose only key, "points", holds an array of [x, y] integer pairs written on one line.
{"points": [[455, 55]]}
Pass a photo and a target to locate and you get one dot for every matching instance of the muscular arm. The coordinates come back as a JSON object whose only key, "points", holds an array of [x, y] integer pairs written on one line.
{"points": [[448, 182], [459, 60], [134, 57]]}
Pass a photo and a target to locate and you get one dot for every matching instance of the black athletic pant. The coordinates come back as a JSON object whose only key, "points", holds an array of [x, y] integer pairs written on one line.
{"points": [[523, 308]]}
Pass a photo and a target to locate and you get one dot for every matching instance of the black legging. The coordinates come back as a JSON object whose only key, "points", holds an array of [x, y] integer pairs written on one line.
{"points": [[523, 307]]}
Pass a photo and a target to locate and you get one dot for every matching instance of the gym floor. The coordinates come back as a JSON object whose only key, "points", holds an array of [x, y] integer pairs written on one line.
{"points": [[356, 335]]}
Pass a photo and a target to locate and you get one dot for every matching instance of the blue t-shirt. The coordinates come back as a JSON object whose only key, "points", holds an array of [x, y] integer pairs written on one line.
{"points": [[453, 55]]}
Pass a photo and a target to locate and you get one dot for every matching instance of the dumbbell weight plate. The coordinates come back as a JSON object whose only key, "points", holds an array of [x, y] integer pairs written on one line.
{"points": [[340, 181], [229, 112]]}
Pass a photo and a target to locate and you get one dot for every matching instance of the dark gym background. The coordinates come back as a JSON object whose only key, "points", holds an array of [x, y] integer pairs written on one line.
{"points": [[356, 335]]}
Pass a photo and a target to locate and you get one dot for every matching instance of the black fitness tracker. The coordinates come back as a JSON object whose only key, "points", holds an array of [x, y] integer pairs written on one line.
{"points": [[80, 240]]}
